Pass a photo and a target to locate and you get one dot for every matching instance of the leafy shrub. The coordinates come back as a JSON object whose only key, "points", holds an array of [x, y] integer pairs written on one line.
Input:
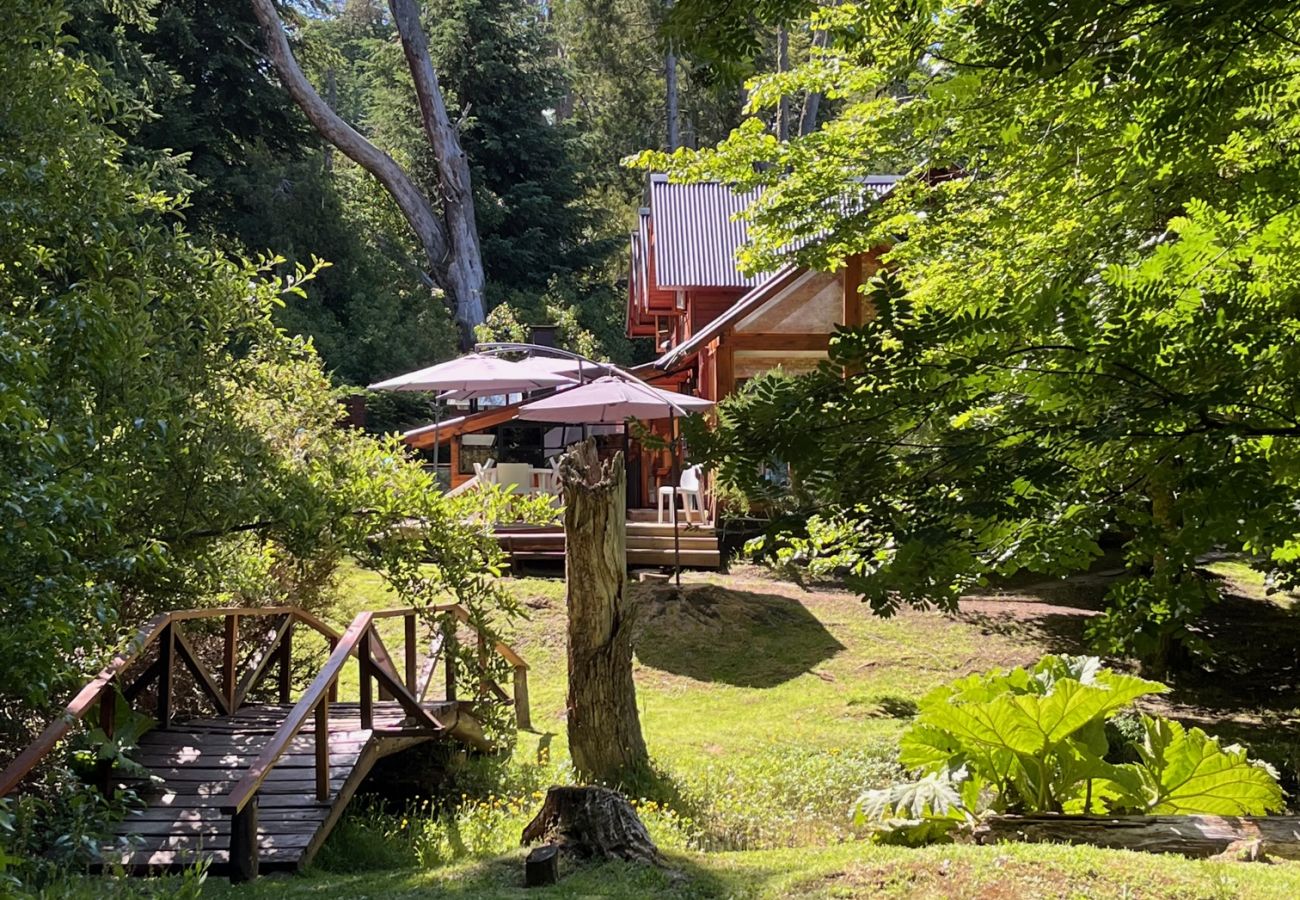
{"points": [[1035, 741]]}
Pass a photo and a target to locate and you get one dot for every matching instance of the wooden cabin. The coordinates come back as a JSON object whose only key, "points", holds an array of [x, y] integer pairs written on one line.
{"points": [[713, 326]]}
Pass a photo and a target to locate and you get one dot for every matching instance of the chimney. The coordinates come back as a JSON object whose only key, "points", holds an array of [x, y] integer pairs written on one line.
{"points": [[543, 335]]}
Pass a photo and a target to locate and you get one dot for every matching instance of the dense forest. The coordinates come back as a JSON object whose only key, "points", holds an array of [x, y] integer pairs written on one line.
{"points": [[1052, 411], [548, 100]]}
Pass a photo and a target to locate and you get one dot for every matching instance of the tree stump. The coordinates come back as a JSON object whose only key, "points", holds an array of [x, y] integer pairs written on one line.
{"points": [[542, 867], [604, 729], [592, 823]]}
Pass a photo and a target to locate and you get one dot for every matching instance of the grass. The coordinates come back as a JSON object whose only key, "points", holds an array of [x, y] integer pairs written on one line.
{"points": [[766, 709]]}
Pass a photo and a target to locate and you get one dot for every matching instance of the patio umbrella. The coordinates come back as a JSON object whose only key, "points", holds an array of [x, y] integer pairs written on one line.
{"points": [[610, 401], [473, 375]]}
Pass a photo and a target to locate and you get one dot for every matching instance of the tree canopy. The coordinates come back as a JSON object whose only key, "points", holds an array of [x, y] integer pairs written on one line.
{"points": [[163, 443], [1085, 331]]}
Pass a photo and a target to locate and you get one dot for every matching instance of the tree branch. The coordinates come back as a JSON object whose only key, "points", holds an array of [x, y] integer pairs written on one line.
{"points": [[414, 205]]}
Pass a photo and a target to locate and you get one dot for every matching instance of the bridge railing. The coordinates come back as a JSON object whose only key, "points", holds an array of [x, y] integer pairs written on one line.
{"points": [[363, 641], [228, 689]]}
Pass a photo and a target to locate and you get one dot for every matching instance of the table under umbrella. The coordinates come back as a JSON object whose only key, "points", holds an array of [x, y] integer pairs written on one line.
{"points": [[611, 401], [474, 375]]}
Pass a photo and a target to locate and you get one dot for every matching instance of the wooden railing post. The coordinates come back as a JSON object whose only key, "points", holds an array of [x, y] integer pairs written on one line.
{"points": [[450, 652], [286, 664], [363, 659], [243, 843], [107, 724], [166, 674], [334, 685], [230, 661], [409, 637], [323, 749], [522, 718]]}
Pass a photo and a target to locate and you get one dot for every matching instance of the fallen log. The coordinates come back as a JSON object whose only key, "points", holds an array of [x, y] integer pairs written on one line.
{"points": [[1247, 837]]}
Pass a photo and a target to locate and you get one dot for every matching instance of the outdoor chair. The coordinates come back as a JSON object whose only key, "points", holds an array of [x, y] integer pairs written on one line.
{"points": [[688, 489], [484, 472]]}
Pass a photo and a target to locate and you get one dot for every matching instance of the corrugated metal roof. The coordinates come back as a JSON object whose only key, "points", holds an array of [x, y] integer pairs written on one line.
{"points": [[698, 230]]}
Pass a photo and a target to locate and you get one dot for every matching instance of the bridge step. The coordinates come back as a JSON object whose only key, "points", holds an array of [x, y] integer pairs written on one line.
{"points": [[195, 764]]}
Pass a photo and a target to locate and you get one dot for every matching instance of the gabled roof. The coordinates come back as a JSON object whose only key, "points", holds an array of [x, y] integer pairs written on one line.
{"points": [[750, 301], [697, 234], [698, 229]]}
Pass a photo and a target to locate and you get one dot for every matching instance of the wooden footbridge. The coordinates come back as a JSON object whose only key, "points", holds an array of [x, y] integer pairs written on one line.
{"points": [[259, 783]]}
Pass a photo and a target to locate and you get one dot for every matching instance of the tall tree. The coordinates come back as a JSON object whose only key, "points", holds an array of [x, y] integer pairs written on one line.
{"points": [[1086, 332], [604, 728], [446, 229], [256, 178]]}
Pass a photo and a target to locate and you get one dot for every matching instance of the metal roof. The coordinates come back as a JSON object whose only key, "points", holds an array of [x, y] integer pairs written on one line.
{"points": [[698, 230]]}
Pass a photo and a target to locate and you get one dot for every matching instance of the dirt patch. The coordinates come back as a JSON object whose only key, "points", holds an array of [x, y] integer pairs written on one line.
{"points": [[1002, 879], [711, 608]]}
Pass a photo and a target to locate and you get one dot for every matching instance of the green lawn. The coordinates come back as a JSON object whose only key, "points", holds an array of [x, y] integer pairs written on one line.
{"points": [[766, 709]]}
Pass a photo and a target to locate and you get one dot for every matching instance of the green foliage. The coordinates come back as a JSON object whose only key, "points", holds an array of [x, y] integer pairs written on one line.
{"points": [[1087, 332], [1034, 740], [163, 444], [258, 179]]}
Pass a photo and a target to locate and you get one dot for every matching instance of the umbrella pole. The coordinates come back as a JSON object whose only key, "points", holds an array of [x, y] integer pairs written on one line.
{"points": [[437, 446], [676, 473]]}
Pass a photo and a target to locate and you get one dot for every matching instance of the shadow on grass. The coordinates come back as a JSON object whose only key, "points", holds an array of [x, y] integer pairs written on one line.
{"points": [[502, 876], [712, 633]]}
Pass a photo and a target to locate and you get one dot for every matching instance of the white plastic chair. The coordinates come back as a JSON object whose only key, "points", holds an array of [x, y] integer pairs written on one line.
{"points": [[484, 473], [688, 490]]}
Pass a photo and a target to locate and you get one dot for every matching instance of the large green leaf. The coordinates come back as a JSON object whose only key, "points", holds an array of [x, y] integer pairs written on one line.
{"points": [[1186, 771]]}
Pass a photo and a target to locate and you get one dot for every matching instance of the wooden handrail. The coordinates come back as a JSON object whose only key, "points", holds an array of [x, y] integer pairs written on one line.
{"points": [[377, 665], [85, 699], [243, 792]]}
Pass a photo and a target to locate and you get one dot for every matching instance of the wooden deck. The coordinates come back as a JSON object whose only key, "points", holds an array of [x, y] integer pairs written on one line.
{"points": [[196, 763], [649, 543]]}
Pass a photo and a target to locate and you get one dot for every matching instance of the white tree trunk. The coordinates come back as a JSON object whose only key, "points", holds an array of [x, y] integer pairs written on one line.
{"points": [[449, 239], [465, 268]]}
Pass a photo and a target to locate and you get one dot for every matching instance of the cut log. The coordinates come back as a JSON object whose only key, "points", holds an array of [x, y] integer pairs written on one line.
{"points": [[542, 867], [1244, 836], [592, 823], [605, 740]]}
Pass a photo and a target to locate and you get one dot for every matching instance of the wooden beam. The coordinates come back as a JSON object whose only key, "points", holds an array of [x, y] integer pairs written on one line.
{"points": [[851, 279], [166, 674], [286, 664], [230, 661], [408, 645], [775, 342], [1277, 836], [261, 663], [205, 681], [724, 367]]}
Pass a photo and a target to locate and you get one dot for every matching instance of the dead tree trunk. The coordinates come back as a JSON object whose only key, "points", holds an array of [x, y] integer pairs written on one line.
{"points": [[592, 822], [1249, 837], [604, 730], [447, 231]]}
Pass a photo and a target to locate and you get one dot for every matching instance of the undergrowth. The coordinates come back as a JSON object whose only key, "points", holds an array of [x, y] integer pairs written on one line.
{"points": [[791, 797]]}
